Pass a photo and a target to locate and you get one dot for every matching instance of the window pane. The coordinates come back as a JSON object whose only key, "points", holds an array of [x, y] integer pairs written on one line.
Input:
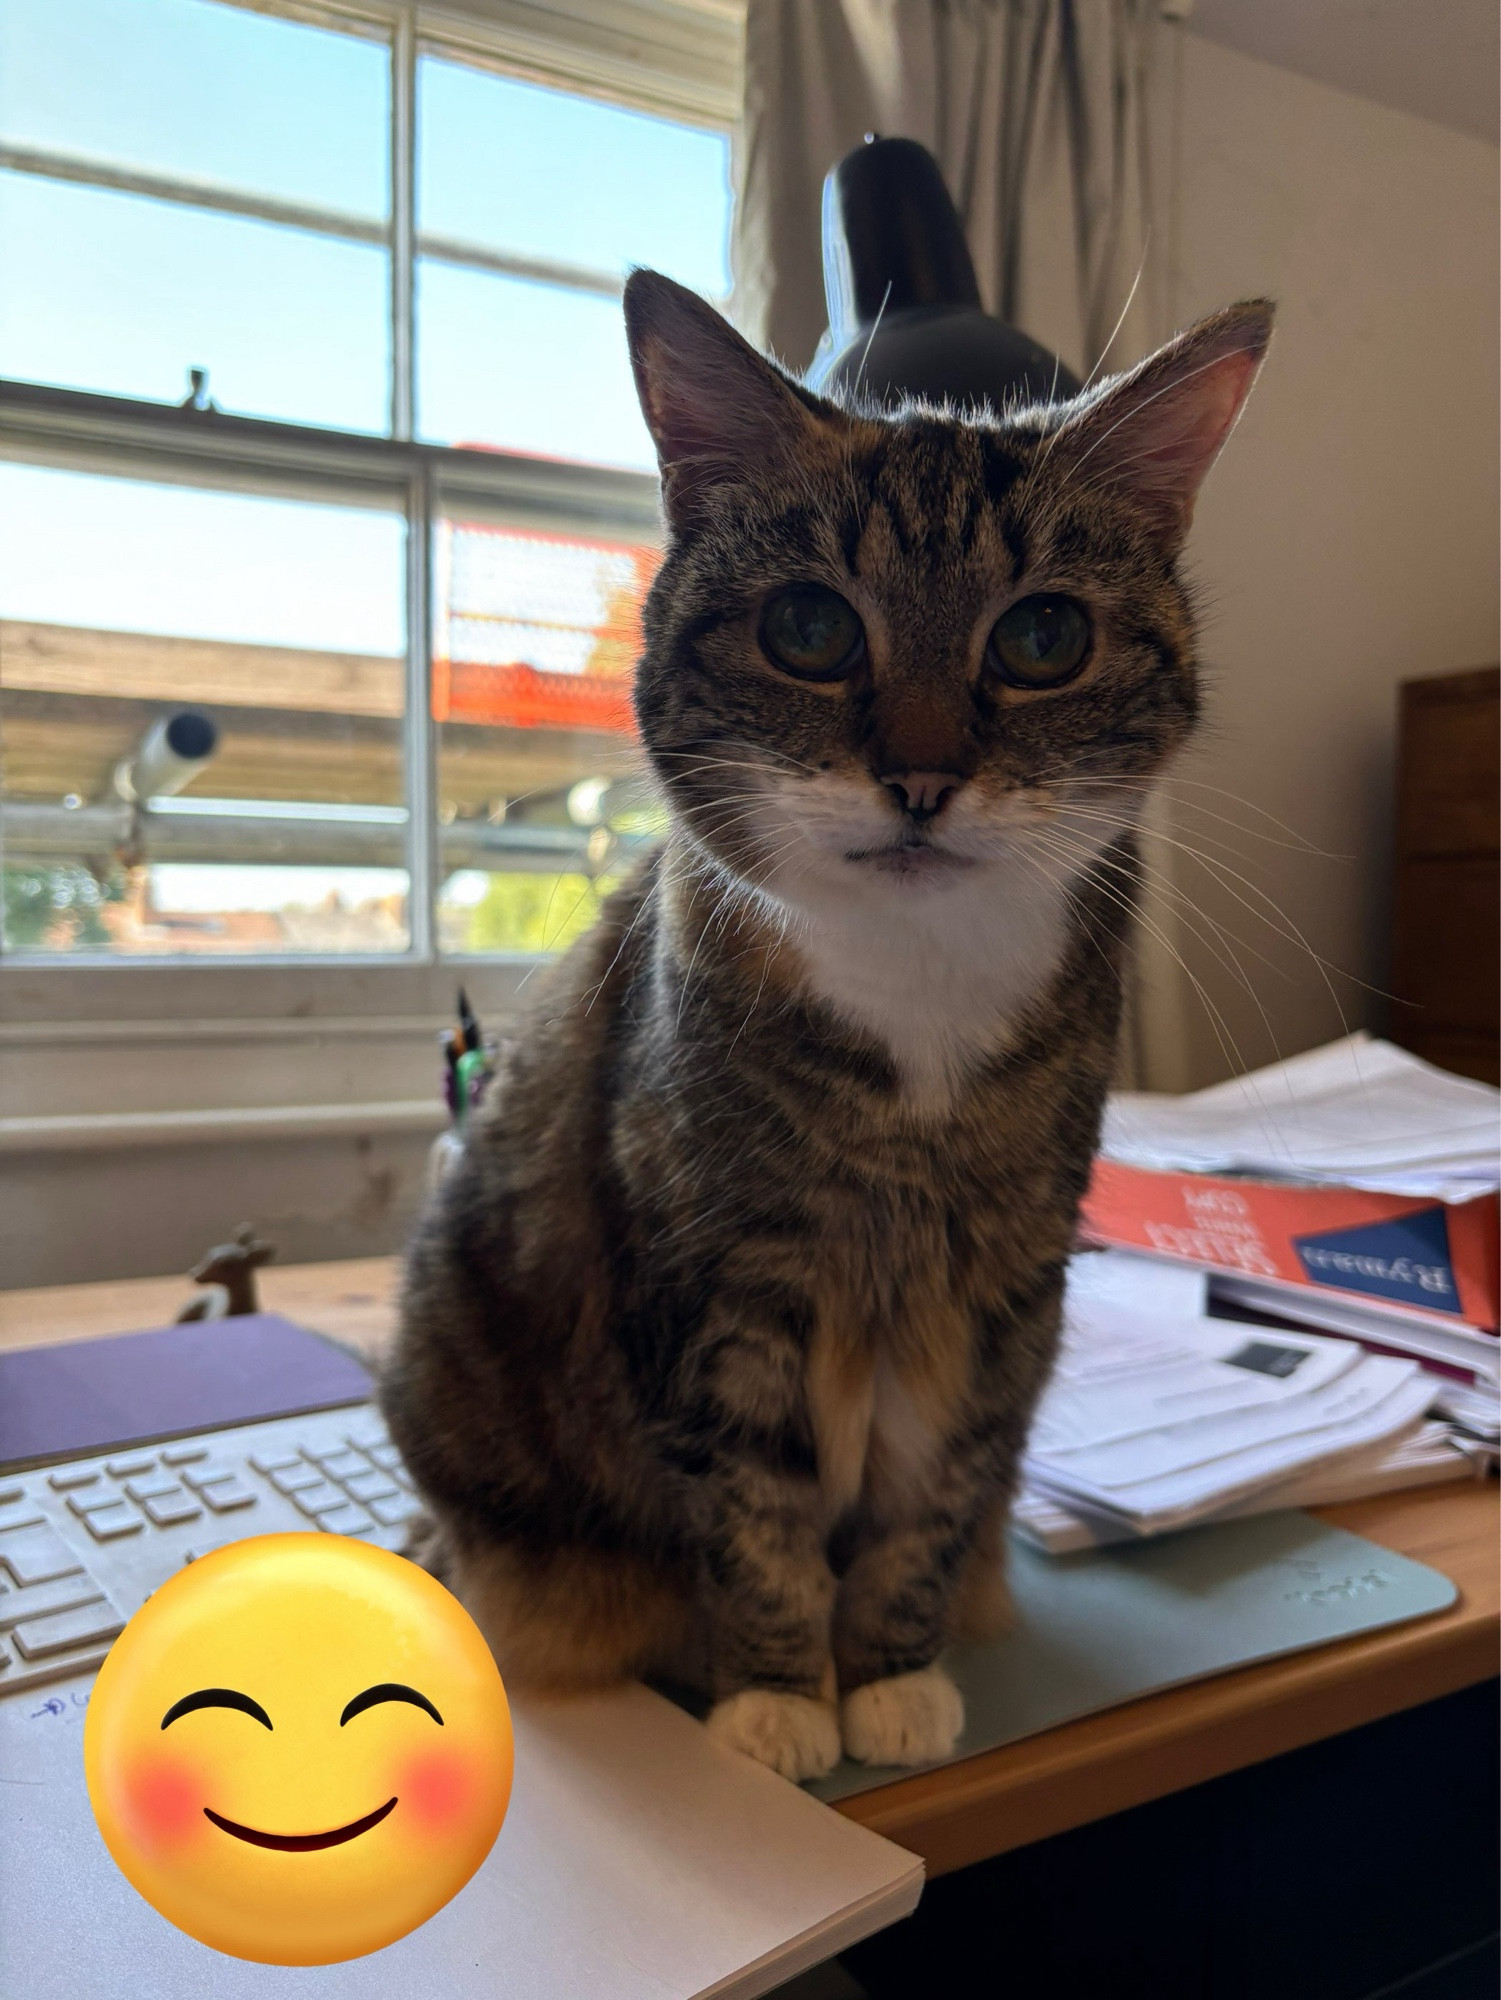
{"points": [[535, 641], [532, 368], [544, 174], [201, 700], [121, 295], [201, 92]]}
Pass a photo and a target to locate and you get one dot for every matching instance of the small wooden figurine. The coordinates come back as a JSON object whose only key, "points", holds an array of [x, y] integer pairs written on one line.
{"points": [[227, 1274]]}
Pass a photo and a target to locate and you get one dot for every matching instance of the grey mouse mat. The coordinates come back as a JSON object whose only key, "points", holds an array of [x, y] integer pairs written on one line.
{"points": [[1108, 1625]]}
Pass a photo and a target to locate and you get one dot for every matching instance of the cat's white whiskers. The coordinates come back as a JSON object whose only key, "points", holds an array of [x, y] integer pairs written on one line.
{"points": [[1229, 1047], [1174, 785], [594, 992], [1217, 945], [1269, 912]]}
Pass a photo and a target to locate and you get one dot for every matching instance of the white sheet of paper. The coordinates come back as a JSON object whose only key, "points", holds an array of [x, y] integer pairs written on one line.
{"points": [[1358, 1111], [1182, 1390], [1154, 1419], [1173, 1496], [1422, 1456]]}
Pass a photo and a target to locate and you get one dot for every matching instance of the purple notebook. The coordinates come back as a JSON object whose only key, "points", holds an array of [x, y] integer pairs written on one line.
{"points": [[90, 1395]]}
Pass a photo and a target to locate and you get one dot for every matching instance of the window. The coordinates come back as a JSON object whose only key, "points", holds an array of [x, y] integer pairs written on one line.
{"points": [[326, 505], [194, 184], [534, 641], [531, 207], [204, 694]]}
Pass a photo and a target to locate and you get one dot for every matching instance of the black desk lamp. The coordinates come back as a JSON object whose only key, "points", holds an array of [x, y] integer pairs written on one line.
{"points": [[904, 309]]}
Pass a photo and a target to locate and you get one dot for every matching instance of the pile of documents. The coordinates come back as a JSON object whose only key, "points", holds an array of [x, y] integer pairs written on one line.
{"points": [[1356, 1113], [1352, 1189], [1160, 1416]]}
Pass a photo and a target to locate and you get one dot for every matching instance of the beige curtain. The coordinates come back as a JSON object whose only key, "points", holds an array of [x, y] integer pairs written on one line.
{"points": [[1039, 112]]}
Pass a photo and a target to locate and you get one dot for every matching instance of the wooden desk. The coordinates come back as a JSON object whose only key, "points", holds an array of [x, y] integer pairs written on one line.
{"points": [[353, 1302], [1008, 1797]]}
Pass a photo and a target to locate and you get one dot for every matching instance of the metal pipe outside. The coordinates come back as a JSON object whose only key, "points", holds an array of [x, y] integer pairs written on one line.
{"points": [[41, 830]]}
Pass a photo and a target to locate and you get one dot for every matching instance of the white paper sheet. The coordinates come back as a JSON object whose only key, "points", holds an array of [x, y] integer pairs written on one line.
{"points": [[1357, 1112], [1425, 1455], [1158, 1415]]}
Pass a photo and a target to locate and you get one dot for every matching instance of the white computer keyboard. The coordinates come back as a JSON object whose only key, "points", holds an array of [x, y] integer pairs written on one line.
{"points": [[84, 1544]]}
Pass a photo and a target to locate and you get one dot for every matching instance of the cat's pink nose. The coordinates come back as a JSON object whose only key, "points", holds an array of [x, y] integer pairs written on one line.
{"points": [[922, 793]]}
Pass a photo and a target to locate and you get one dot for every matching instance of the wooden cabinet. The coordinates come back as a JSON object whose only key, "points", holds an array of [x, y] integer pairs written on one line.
{"points": [[1446, 906]]}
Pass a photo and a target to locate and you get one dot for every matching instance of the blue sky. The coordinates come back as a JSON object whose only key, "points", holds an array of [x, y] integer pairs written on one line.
{"points": [[116, 293], [210, 92], [128, 556]]}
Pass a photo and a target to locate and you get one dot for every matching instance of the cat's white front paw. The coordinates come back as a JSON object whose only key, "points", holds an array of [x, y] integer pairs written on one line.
{"points": [[909, 1719], [797, 1736]]}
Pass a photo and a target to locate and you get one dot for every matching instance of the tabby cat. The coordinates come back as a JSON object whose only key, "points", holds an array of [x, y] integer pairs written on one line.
{"points": [[720, 1343]]}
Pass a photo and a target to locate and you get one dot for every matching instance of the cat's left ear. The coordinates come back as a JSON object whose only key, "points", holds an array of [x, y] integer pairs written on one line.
{"points": [[1154, 432], [720, 414]]}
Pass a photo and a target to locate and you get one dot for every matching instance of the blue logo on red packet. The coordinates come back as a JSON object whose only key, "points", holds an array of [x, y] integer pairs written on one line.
{"points": [[1406, 1260]]}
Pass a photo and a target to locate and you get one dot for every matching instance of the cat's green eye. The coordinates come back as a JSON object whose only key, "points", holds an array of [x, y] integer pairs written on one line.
{"points": [[1040, 642], [811, 632]]}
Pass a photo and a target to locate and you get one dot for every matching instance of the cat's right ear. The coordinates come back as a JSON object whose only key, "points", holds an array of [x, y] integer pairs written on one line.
{"points": [[719, 414]]}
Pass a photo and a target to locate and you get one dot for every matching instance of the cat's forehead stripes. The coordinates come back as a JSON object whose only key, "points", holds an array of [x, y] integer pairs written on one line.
{"points": [[934, 494]]}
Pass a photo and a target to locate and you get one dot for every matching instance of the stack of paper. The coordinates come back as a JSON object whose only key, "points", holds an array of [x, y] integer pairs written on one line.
{"points": [[1159, 1416], [1352, 1189], [1357, 1113], [1427, 1456]]}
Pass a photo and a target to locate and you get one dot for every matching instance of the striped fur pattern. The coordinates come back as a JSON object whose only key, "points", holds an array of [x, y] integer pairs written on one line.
{"points": [[719, 1347]]}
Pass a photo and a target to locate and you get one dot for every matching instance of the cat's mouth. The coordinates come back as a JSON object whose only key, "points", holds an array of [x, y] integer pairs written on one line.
{"points": [[909, 857]]}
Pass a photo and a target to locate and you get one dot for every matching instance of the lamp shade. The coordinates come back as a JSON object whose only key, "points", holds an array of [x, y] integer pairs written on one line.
{"points": [[905, 317]]}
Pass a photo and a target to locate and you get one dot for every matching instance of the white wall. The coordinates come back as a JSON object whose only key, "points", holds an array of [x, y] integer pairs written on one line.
{"points": [[1348, 538]]}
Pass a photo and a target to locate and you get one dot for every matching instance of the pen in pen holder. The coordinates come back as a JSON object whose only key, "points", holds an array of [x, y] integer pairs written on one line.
{"points": [[469, 1061]]}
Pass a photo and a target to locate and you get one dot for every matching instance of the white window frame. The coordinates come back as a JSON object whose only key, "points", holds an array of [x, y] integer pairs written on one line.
{"points": [[675, 58]]}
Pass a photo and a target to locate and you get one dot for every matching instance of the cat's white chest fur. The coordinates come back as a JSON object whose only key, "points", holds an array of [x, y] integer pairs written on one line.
{"points": [[936, 965], [937, 977]]}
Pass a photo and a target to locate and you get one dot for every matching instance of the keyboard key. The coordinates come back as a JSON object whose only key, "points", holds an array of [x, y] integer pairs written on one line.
{"points": [[345, 1520], [125, 1468], [184, 1454], [224, 1495], [168, 1509], [39, 1598], [402, 1477], [342, 1464], [386, 1455], [108, 1524], [274, 1461], [365, 1436], [371, 1486], [199, 1476], [36, 1554], [89, 1502], [19, 1514], [39, 1638], [155, 1486], [9, 1493], [314, 1500], [69, 1476], [392, 1513], [296, 1478]]}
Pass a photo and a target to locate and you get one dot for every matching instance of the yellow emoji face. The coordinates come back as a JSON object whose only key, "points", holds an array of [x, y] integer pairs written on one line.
{"points": [[299, 1749]]}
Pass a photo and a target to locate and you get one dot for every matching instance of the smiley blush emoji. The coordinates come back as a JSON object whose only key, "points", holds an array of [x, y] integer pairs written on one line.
{"points": [[299, 1749]]}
